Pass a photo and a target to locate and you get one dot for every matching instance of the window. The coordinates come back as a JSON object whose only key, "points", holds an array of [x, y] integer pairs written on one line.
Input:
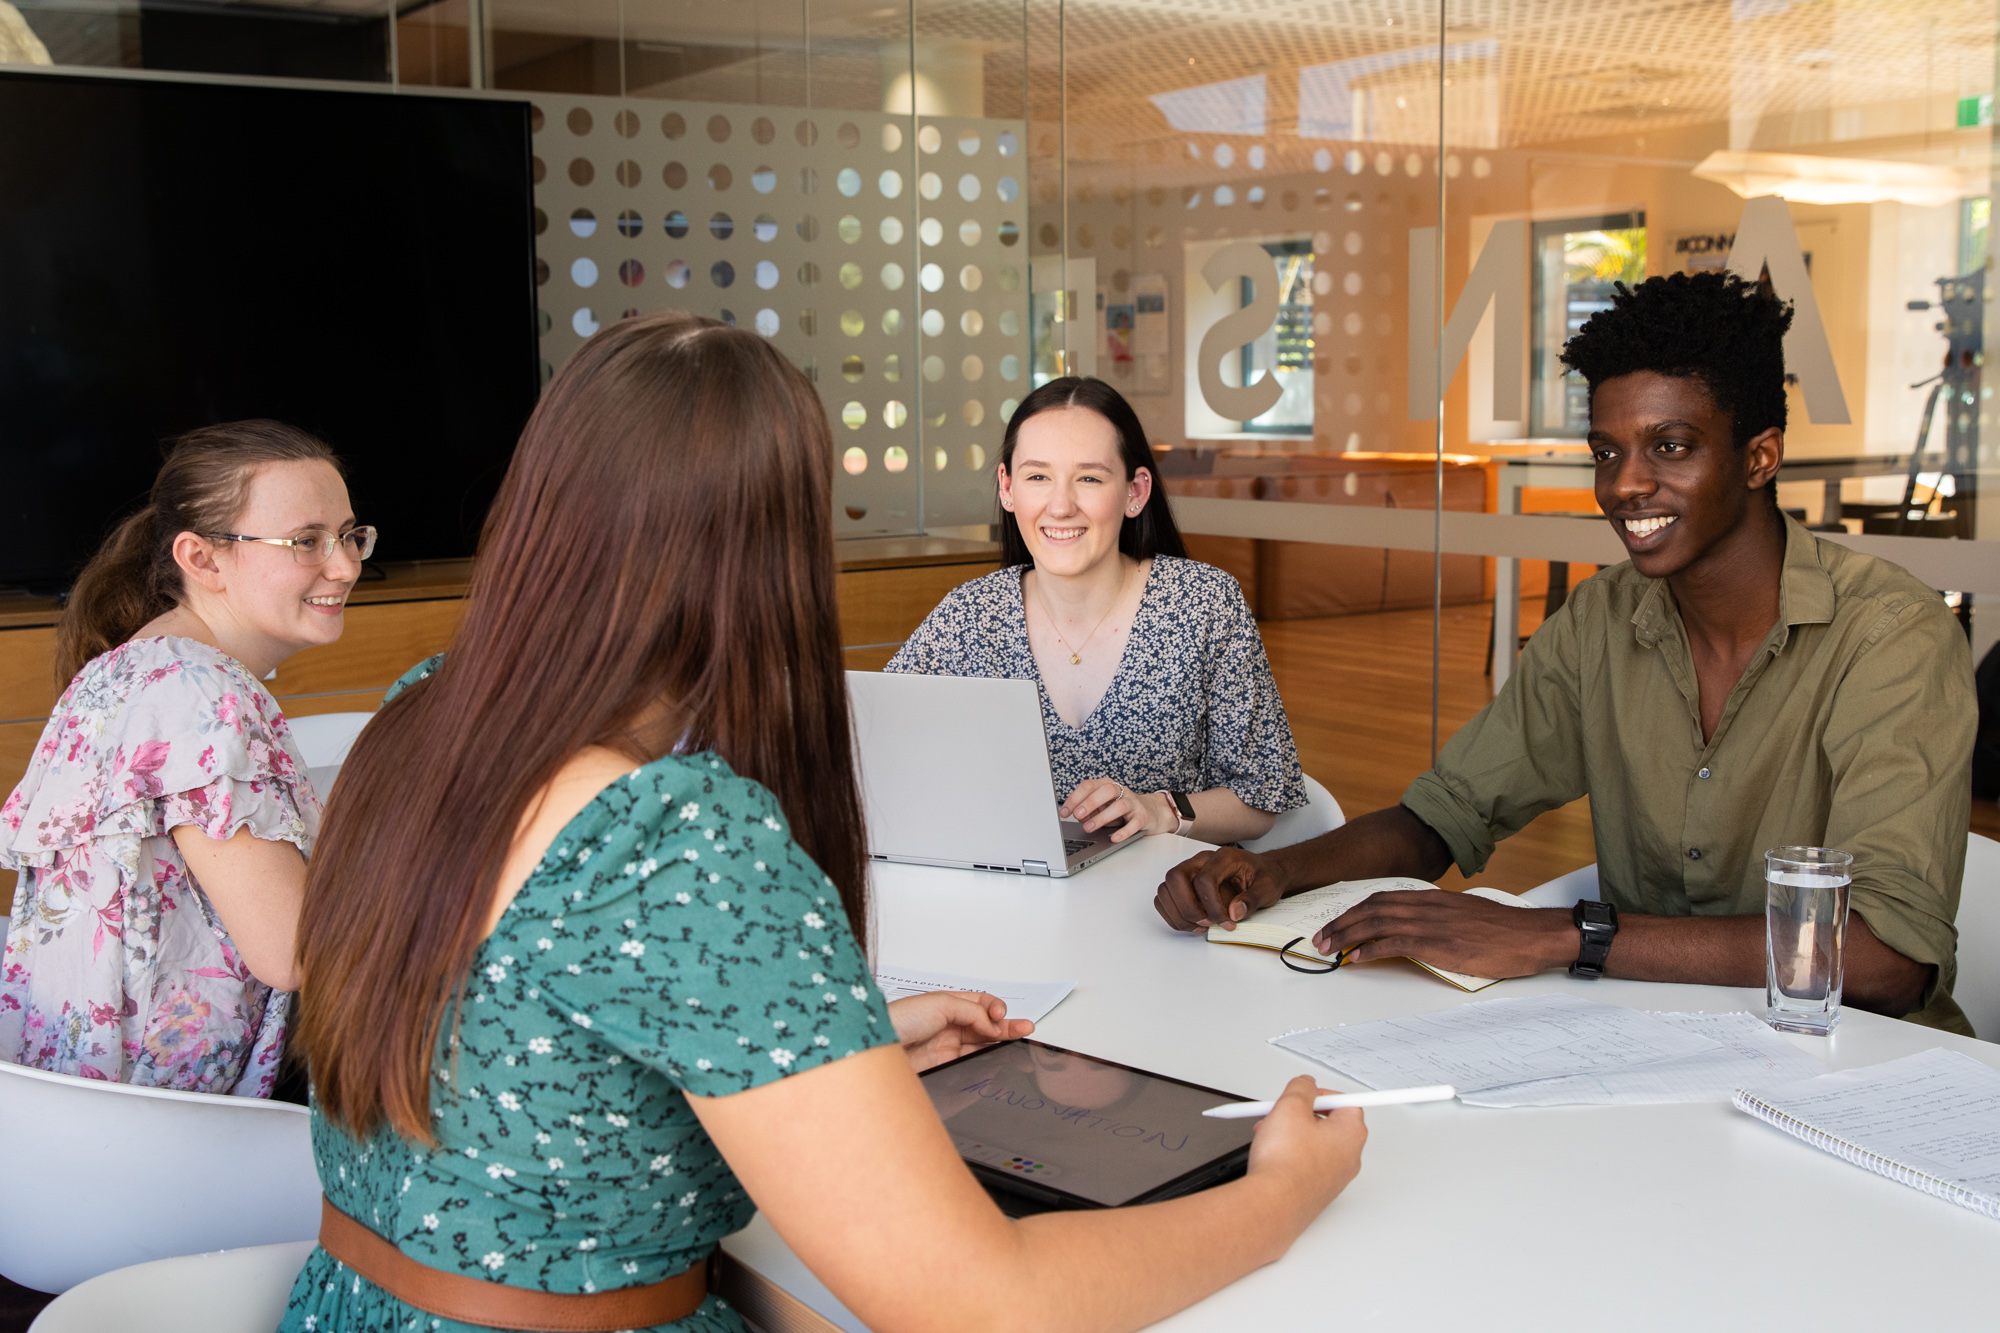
{"points": [[1286, 348], [1577, 262]]}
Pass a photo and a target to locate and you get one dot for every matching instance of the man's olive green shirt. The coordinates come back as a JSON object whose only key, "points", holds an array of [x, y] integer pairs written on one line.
{"points": [[1852, 727]]}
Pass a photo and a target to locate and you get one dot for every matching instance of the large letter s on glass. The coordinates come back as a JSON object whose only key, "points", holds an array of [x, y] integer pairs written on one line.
{"points": [[1244, 259]]}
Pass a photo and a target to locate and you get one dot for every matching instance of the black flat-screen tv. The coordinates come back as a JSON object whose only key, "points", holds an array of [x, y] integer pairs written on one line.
{"points": [[175, 254]]}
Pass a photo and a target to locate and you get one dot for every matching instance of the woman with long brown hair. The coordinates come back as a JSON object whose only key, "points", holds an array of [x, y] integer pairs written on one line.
{"points": [[584, 942], [161, 828]]}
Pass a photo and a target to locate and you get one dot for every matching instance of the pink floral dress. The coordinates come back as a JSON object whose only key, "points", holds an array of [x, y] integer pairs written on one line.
{"points": [[116, 966]]}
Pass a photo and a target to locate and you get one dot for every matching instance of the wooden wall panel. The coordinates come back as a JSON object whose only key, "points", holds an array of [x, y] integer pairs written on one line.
{"points": [[28, 686], [379, 643], [885, 605]]}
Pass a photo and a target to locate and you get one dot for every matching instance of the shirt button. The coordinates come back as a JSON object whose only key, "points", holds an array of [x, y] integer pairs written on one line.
{"points": [[1694, 853], [1702, 774]]}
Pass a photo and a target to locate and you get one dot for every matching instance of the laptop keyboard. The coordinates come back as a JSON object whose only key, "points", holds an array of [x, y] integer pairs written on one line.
{"points": [[1075, 845]]}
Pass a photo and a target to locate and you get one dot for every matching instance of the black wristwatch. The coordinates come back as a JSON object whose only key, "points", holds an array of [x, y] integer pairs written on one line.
{"points": [[1598, 924]]}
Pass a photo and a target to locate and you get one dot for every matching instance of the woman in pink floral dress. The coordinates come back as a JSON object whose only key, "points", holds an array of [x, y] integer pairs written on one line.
{"points": [[161, 830]]}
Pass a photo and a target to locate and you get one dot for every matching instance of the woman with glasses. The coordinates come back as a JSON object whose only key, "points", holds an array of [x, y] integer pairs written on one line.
{"points": [[162, 828]]}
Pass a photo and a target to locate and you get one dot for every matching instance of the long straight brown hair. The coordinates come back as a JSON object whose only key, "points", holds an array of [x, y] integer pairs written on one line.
{"points": [[664, 534]]}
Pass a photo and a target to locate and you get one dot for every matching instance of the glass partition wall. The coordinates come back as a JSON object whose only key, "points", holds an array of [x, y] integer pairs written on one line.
{"points": [[1330, 252]]}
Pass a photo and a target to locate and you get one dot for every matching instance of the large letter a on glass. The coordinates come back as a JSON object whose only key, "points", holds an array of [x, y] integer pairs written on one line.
{"points": [[1244, 259], [1765, 242]]}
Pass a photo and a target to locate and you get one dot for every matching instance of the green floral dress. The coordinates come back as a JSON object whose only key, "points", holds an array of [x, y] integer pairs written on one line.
{"points": [[673, 939]]}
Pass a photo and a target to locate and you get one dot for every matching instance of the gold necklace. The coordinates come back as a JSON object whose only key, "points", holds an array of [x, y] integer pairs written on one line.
{"points": [[1076, 654]]}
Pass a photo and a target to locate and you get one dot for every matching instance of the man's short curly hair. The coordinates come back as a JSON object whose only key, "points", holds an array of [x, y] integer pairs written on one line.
{"points": [[1712, 327]]}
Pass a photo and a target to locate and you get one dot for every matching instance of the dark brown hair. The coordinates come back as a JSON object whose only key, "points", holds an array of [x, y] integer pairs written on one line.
{"points": [[663, 534], [1153, 532], [201, 487]]}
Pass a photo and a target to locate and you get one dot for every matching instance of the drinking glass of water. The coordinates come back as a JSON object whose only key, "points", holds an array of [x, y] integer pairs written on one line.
{"points": [[1805, 932]]}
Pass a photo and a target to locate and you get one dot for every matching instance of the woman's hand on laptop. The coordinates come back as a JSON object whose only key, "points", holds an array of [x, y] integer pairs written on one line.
{"points": [[1097, 802], [942, 1025], [1217, 888]]}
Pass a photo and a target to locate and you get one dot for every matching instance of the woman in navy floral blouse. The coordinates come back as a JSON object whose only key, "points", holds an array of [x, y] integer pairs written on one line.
{"points": [[585, 971], [1152, 674]]}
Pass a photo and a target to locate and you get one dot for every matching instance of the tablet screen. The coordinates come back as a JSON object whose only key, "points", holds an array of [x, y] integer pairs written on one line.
{"points": [[1100, 1131]]}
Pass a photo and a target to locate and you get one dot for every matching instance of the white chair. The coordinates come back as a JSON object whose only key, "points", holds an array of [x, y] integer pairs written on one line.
{"points": [[1978, 987], [104, 1175], [233, 1291], [324, 740], [1320, 814]]}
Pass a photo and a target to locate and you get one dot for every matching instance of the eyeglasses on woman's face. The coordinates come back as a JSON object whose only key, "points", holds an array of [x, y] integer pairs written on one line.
{"points": [[313, 546]]}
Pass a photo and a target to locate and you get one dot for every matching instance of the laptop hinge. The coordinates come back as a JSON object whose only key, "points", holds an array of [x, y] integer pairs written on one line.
{"points": [[1035, 867]]}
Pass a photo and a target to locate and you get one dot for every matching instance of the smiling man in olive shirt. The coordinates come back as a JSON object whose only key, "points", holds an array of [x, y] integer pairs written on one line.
{"points": [[1739, 684]]}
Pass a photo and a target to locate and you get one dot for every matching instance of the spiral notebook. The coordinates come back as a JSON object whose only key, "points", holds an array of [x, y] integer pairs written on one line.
{"points": [[1931, 1121]]}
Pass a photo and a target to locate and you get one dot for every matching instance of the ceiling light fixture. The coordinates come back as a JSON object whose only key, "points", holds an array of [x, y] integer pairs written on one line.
{"points": [[1801, 178]]}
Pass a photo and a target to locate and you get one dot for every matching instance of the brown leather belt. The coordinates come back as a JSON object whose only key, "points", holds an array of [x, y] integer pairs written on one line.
{"points": [[470, 1300]]}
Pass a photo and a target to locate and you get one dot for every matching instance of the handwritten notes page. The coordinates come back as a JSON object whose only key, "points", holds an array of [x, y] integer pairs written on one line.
{"points": [[1931, 1121], [1550, 1050], [1031, 1000], [1304, 913]]}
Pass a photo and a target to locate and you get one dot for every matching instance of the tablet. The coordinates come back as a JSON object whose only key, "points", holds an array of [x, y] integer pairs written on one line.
{"points": [[1045, 1128]]}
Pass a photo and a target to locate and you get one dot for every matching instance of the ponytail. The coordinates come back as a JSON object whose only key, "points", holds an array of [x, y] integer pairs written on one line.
{"points": [[201, 488]]}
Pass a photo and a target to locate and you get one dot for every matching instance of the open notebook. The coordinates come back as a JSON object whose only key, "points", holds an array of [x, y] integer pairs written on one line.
{"points": [[1304, 913]]}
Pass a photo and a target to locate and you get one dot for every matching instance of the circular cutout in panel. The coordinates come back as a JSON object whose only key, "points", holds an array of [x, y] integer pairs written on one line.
{"points": [[762, 130], [1121, 237], [968, 142], [848, 182], [722, 273], [764, 180], [892, 321], [1007, 406], [578, 120], [1255, 196], [973, 412], [631, 272], [850, 275], [1322, 283], [672, 125], [583, 323], [1351, 284], [675, 175], [630, 224], [933, 368], [1351, 324], [582, 223], [677, 273], [537, 169], [891, 231], [1322, 159], [1010, 368], [855, 460], [1352, 242], [1481, 168], [968, 232], [718, 128], [970, 277], [848, 135], [808, 181], [535, 119], [930, 231], [1010, 278], [1007, 143], [894, 414], [1413, 165], [766, 275], [890, 183], [892, 276], [808, 273], [892, 368], [931, 278], [581, 172], [541, 222], [1010, 232], [1353, 161], [765, 228], [1384, 163], [768, 322], [1452, 166], [1256, 157], [851, 323], [852, 370], [807, 228], [968, 187], [895, 458], [1051, 238], [1008, 189], [628, 173], [975, 457], [583, 272], [940, 458], [1225, 155], [720, 177], [929, 139], [972, 367], [929, 185], [854, 416], [809, 325], [1010, 323], [721, 226], [849, 229], [541, 272], [806, 133], [543, 321], [892, 137], [1323, 326], [971, 323], [1224, 196], [856, 512]]}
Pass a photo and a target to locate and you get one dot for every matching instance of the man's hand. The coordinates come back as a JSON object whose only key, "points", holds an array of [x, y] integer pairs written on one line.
{"points": [[943, 1025], [1454, 931], [1216, 888]]}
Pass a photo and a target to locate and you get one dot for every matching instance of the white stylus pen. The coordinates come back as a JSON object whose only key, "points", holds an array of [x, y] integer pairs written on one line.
{"points": [[1437, 1092]]}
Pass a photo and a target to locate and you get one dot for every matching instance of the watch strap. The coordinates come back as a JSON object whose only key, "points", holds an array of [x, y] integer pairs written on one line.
{"points": [[1597, 926], [1183, 810]]}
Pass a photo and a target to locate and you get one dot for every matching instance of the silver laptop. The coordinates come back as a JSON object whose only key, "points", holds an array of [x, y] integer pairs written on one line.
{"points": [[955, 772]]}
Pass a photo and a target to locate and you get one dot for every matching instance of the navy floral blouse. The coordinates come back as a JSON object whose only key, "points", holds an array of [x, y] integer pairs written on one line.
{"points": [[674, 939], [1191, 707]]}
